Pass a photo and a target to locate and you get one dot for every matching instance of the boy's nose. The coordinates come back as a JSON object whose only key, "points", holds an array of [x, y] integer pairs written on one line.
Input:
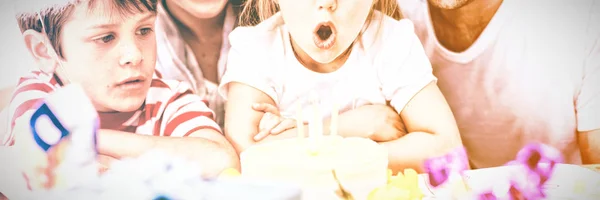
{"points": [[131, 56], [328, 5]]}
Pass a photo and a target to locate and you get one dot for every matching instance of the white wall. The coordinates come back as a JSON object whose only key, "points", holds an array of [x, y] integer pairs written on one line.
{"points": [[14, 58]]}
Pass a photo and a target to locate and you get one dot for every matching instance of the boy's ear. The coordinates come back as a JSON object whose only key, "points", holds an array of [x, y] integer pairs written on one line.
{"points": [[37, 46]]}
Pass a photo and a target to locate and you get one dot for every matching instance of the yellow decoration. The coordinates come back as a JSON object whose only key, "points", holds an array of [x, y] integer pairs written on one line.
{"points": [[390, 173], [229, 172], [403, 186], [389, 192]]}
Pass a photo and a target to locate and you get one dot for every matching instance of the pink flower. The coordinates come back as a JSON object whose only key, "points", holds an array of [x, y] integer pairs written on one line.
{"points": [[535, 163], [440, 168]]}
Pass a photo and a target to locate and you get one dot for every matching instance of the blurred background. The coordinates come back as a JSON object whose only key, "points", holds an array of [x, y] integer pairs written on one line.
{"points": [[13, 55]]}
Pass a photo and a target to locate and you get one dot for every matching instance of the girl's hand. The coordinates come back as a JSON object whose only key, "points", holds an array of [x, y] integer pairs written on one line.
{"points": [[387, 123], [271, 123]]}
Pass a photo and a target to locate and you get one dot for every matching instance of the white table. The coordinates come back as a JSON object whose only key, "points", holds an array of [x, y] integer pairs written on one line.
{"points": [[567, 182]]}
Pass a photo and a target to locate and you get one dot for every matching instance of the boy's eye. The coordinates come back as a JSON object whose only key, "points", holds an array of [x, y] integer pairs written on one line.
{"points": [[145, 31], [106, 39]]}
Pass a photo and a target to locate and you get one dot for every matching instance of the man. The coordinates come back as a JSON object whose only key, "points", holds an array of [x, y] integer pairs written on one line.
{"points": [[516, 72]]}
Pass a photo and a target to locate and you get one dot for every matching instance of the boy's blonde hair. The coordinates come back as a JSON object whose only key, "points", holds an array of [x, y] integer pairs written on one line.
{"points": [[256, 11]]}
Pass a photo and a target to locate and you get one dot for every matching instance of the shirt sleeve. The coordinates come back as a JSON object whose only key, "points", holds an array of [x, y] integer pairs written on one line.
{"points": [[187, 113], [250, 62], [29, 93], [588, 100], [404, 68], [4, 122]]}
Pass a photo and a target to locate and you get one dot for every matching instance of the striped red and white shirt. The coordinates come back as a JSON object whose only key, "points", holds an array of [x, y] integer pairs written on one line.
{"points": [[170, 109]]}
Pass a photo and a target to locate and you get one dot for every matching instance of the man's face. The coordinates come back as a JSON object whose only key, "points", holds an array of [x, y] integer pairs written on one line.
{"points": [[448, 4], [111, 54]]}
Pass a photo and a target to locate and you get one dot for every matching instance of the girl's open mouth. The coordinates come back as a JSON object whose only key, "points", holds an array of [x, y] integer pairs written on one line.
{"points": [[324, 35]]}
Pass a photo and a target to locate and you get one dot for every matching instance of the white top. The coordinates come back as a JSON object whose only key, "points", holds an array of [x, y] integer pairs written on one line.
{"points": [[176, 60], [389, 65], [532, 76]]}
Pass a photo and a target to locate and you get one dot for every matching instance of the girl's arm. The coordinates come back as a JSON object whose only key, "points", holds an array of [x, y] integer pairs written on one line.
{"points": [[407, 81], [431, 127], [241, 121], [252, 76], [378, 122]]}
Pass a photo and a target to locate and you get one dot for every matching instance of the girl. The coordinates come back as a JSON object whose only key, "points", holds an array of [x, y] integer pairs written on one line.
{"points": [[351, 53]]}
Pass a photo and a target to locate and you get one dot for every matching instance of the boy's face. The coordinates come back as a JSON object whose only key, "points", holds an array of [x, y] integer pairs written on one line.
{"points": [[324, 29], [111, 55]]}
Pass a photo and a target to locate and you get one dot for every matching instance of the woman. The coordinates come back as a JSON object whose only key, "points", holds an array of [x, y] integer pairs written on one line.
{"points": [[192, 43]]}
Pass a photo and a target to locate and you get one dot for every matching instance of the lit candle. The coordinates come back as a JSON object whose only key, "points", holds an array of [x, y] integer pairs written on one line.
{"points": [[319, 120], [299, 121], [333, 126], [315, 126]]}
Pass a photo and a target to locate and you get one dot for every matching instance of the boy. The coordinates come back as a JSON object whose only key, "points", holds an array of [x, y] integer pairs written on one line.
{"points": [[109, 48]]}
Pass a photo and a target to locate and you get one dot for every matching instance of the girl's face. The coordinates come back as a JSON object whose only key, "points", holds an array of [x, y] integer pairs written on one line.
{"points": [[324, 29]]}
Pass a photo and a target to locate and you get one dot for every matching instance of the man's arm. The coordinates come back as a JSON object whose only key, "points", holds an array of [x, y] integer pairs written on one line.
{"points": [[589, 144], [432, 131], [207, 147]]}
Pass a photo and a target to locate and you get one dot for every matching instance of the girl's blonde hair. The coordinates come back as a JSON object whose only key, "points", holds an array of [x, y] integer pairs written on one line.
{"points": [[256, 11]]}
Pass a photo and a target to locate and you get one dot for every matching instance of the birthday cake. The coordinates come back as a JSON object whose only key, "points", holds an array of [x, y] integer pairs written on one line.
{"points": [[360, 165]]}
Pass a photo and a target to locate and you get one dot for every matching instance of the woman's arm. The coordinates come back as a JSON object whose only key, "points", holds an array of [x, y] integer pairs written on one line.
{"points": [[432, 130]]}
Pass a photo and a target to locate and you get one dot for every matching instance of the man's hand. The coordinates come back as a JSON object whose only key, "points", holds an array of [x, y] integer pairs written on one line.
{"points": [[271, 123]]}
